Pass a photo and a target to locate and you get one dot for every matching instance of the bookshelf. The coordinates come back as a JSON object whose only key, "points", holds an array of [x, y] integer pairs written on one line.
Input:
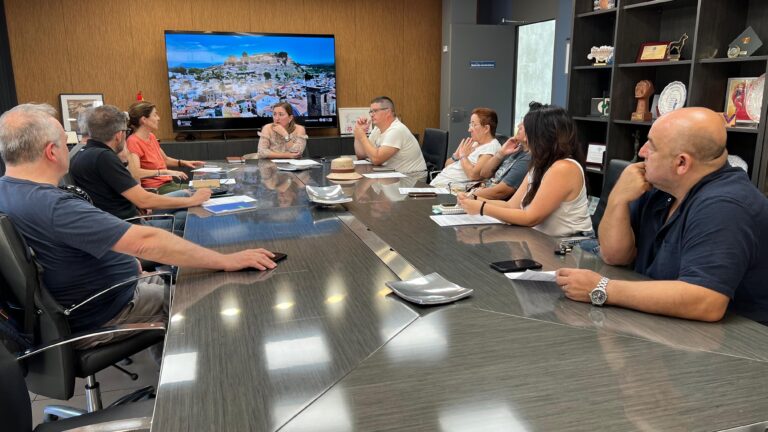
{"points": [[710, 25]]}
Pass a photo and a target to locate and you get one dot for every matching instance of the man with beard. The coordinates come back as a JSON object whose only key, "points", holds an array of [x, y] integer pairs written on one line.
{"points": [[97, 169]]}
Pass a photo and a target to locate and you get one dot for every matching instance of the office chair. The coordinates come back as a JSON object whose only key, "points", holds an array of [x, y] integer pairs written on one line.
{"points": [[53, 372], [435, 150], [16, 412], [615, 168]]}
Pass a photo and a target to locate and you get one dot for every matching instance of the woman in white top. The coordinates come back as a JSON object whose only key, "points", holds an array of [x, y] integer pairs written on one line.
{"points": [[553, 197], [467, 161]]}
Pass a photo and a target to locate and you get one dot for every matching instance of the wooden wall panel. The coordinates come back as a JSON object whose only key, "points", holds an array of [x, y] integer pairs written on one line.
{"points": [[421, 57], [38, 50], [117, 48]]}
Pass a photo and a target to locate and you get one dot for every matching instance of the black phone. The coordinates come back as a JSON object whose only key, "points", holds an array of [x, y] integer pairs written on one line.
{"points": [[422, 194], [382, 168], [279, 256], [515, 265]]}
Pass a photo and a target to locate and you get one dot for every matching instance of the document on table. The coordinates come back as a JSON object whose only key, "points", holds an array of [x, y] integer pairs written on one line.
{"points": [[380, 175], [207, 170], [362, 162], [542, 276], [454, 220], [304, 162], [406, 191], [226, 181]]}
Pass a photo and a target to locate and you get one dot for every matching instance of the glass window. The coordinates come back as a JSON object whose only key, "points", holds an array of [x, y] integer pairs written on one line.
{"points": [[535, 58]]}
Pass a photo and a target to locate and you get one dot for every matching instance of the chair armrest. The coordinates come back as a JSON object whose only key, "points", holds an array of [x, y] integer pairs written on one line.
{"points": [[117, 285], [431, 174], [151, 216], [156, 326]]}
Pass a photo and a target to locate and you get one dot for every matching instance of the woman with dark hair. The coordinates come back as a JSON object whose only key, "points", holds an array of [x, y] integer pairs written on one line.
{"points": [[151, 168], [283, 138], [553, 196], [466, 163]]}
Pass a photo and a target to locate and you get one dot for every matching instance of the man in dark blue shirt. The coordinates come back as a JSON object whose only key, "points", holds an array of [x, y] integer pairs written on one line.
{"points": [[687, 219], [82, 249]]}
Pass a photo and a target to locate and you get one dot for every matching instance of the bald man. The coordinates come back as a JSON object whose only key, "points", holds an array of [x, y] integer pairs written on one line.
{"points": [[687, 219]]}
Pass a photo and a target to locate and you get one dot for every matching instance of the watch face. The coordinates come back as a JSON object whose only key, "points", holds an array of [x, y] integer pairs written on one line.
{"points": [[597, 296]]}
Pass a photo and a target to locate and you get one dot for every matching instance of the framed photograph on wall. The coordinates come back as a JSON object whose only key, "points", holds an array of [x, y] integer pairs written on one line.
{"points": [[736, 100], [72, 104], [348, 117]]}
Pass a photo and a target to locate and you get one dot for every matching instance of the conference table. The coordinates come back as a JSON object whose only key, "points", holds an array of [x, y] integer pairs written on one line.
{"points": [[321, 344]]}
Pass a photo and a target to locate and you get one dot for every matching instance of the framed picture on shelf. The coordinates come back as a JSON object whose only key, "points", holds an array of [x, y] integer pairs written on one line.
{"points": [[736, 101], [72, 104], [348, 117], [652, 52]]}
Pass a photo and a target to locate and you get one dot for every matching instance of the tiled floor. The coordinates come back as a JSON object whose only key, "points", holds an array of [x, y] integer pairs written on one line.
{"points": [[113, 383]]}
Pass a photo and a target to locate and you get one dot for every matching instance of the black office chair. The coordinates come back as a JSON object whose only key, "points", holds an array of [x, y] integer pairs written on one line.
{"points": [[435, 150], [501, 138], [16, 413], [615, 168], [52, 370]]}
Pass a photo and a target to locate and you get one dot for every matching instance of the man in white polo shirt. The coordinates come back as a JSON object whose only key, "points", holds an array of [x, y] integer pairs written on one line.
{"points": [[391, 143]]}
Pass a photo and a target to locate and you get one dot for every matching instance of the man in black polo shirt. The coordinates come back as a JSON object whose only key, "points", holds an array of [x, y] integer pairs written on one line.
{"points": [[98, 170], [687, 219]]}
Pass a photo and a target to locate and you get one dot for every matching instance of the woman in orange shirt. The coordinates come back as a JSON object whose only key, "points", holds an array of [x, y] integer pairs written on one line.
{"points": [[153, 163]]}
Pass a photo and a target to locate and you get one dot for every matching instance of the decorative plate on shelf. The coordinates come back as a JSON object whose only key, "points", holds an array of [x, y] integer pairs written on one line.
{"points": [[672, 97], [755, 98]]}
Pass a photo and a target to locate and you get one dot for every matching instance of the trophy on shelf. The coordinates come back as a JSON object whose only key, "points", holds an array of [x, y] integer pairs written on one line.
{"points": [[676, 47], [601, 55], [643, 92]]}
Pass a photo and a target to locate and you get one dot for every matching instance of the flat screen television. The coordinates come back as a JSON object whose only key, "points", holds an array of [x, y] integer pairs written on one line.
{"points": [[230, 81]]}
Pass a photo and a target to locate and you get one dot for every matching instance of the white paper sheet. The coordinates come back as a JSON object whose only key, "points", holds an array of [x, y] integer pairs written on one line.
{"points": [[282, 160], [543, 276], [304, 162], [207, 170], [406, 191], [380, 175], [362, 162], [226, 181], [454, 220]]}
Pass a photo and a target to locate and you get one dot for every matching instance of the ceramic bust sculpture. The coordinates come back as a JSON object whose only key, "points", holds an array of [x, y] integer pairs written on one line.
{"points": [[643, 92]]}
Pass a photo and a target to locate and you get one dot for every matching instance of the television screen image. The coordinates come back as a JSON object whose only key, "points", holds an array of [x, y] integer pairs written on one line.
{"points": [[230, 81]]}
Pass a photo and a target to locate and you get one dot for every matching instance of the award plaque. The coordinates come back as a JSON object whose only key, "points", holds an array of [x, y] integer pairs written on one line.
{"points": [[672, 97], [601, 107], [652, 51], [746, 44]]}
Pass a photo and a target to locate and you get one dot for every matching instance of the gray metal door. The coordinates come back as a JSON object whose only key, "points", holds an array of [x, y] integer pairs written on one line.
{"points": [[481, 75]]}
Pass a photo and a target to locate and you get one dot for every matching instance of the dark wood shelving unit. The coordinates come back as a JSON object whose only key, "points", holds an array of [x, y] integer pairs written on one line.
{"points": [[710, 25], [592, 119]]}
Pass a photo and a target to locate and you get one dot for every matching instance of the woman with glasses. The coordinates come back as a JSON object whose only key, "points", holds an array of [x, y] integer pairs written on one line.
{"points": [[283, 138], [152, 165], [553, 196], [466, 163]]}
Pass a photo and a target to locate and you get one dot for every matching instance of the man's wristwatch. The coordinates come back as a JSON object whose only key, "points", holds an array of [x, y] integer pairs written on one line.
{"points": [[288, 137], [455, 159], [598, 296]]}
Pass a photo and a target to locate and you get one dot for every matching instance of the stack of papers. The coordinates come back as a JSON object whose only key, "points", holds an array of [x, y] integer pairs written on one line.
{"points": [[297, 162], [229, 204], [207, 170]]}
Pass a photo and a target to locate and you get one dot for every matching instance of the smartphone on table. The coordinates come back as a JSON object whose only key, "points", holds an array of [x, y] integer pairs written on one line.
{"points": [[515, 265]]}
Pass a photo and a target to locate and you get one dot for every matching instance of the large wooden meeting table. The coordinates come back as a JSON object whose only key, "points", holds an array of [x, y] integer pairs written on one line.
{"points": [[320, 343]]}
